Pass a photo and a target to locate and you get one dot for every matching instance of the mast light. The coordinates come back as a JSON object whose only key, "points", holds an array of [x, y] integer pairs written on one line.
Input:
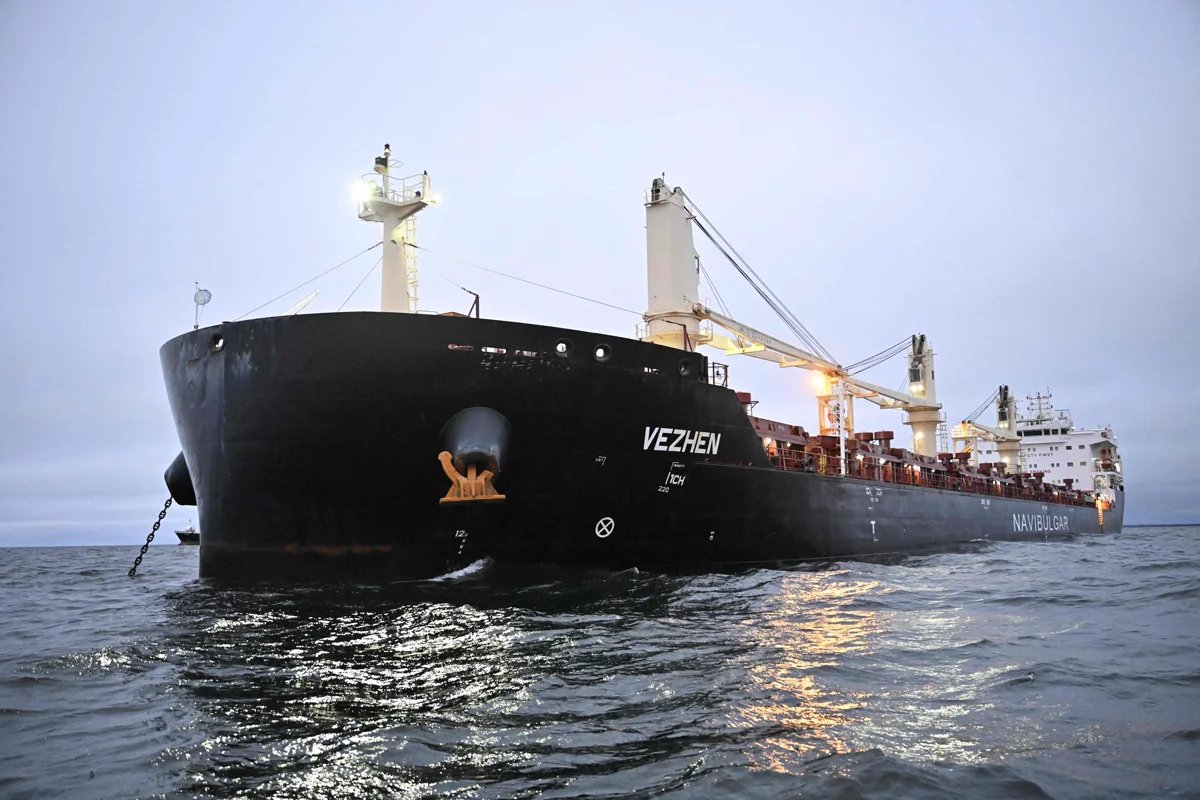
{"points": [[362, 191]]}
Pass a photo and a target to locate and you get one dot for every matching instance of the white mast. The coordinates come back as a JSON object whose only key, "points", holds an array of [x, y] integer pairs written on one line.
{"points": [[394, 203]]}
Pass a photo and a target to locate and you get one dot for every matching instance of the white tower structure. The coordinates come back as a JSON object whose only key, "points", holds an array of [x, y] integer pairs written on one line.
{"points": [[672, 271], [394, 202], [1006, 420], [1003, 433], [923, 419]]}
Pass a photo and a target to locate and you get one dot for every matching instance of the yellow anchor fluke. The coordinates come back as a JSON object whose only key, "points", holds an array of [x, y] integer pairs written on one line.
{"points": [[469, 488]]}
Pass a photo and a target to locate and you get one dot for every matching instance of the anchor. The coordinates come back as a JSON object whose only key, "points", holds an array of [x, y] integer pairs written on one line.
{"points": [[474, 441], [470, 488]]}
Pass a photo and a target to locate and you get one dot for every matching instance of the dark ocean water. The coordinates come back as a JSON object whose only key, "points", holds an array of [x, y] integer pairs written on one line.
{"points": [[1066, 669]]}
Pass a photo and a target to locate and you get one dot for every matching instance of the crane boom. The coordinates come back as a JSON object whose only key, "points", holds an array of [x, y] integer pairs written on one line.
{"points": [[800, 357], [974, 429], [767, 347], [888, 398], [1004, 433]]}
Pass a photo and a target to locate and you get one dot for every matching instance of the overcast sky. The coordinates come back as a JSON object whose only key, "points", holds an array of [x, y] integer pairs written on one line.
{"points": [[1019, 181]]}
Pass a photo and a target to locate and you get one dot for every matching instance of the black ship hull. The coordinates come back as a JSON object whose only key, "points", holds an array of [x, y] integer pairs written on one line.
{"points": [[312, 445]]}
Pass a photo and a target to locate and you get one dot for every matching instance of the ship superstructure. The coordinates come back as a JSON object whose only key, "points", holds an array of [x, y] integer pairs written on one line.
{"points": [[1062, 453], [390, 444]]}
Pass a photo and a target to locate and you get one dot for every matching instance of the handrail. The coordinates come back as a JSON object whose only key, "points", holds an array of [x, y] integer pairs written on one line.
{"points": [[400, 190]]}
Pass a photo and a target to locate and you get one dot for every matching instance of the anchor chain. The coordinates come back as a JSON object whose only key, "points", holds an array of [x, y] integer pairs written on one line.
{"points": [[137, 562]]}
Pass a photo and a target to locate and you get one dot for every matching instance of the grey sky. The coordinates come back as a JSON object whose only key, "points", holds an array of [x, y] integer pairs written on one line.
{"points": [[1019, 181]]}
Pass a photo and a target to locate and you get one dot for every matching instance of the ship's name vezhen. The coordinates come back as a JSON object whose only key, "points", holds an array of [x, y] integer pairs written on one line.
{"points": [[679, 440], [1039, 522]]}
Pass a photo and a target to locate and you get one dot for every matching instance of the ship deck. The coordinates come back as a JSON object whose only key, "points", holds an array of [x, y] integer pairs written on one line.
{"points": [[870, 458]]}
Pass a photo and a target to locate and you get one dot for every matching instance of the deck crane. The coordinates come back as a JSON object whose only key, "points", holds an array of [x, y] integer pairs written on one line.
{"points": [[674, 314], [1004, 434]]}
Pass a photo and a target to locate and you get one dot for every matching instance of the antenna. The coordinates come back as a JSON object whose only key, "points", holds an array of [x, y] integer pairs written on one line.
{"points": [[475, 305], [201, 299]]}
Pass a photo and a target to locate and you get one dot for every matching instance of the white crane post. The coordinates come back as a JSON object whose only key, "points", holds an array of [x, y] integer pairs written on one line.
{"points": [[923, 419], [672, 274], [1006, 420]]}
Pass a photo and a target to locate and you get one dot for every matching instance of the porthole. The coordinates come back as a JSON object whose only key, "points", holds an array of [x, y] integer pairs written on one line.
{"points": [[217, 343], [563, 348], [602, 352], [685, 368]]}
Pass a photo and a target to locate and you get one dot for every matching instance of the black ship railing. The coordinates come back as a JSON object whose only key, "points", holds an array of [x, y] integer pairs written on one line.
{"points": [[718, 374]]}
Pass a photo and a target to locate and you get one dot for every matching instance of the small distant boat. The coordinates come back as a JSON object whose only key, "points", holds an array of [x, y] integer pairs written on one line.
{"points": [[188, 535]]}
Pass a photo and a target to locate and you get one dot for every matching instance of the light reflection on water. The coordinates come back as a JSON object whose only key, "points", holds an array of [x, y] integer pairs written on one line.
{"points": [[810, 623], [842, 672]]}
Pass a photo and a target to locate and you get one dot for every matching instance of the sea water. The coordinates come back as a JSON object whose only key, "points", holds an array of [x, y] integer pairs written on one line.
{"points": [[1066, 669]]}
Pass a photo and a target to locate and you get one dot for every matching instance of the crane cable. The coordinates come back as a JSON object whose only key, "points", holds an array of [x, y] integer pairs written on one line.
{"points": [[871, 362], [523, 280], [983, 406], [768, 297], [756, 282], [716, 293], [358, 286]]}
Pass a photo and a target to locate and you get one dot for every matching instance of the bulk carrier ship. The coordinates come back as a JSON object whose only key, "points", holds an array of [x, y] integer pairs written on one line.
{"points": [[388, 445]]}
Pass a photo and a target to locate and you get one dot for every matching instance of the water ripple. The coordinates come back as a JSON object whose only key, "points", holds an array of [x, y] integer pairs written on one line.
{"points": [[1064, 669]]}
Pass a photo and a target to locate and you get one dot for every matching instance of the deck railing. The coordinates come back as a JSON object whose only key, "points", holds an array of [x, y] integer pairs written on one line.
{"points": [[400, 190], [875, 469]]}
